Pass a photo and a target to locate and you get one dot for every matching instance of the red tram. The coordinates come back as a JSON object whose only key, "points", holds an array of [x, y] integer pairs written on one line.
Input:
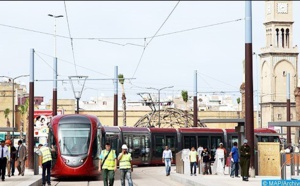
{"points": [[79, 140], [76, 140]]}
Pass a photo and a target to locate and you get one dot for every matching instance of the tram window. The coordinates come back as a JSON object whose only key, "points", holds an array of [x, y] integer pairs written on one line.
{"points": [[189, 142], [276, 139], [171, 142], [264, 139], [203, 141], [99, 140], [215, 141], [159, 145], [145, 147], [113, 140]]}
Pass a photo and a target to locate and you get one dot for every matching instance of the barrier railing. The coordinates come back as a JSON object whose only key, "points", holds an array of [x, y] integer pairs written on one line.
{"points": [[291, 160]]}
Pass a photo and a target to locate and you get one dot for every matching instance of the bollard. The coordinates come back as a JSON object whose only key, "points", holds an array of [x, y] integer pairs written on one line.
{"points": [[297, 164], [36, 164], [292, 164], [283, 166]]}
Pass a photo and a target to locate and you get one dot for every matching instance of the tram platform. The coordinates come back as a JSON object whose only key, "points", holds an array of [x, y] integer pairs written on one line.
{"points": [[29, 179], [217, 180]]}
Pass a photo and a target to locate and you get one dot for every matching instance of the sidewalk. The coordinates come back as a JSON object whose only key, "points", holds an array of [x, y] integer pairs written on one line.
{"points": [[29, 179], [217, 180]]}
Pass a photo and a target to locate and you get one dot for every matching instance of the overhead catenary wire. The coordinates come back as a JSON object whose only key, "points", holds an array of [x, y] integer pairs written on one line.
{"points": [[45, 61], [146, 44], [72, 45], [66, 61], [120, 38]]}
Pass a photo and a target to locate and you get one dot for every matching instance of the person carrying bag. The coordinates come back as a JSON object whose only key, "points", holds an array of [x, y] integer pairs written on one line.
{"points": [[108, 165]]}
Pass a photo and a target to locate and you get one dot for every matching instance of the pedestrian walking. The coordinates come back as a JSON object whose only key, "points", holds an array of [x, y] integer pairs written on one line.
{"points": [[8, 168], [167, 159], [234, 154], [245, 151], [46, 158], [193, 156], [126, 168], [206, 161], [108, 165], [3, 159], [21, 157], [13, 152]]}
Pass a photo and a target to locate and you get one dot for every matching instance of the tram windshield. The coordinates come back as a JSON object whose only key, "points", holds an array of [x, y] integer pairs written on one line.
{"points": [[74, 139]]}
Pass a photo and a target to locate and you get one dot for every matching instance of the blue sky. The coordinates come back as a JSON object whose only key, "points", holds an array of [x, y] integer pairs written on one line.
{"points": [[216, 52]]}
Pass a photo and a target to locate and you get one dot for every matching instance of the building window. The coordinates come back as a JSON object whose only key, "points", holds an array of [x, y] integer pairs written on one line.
{"points": [[104, 102], [279, 116], [287, 38], [282, 38]]}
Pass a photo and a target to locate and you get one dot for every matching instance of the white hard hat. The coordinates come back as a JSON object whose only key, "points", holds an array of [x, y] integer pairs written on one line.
{"points": [[124, 146]]}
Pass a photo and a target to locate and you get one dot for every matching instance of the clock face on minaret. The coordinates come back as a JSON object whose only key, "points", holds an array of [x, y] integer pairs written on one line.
{"points": [[282, 8]]}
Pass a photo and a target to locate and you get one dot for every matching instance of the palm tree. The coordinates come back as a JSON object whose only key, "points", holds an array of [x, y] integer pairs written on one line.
{"points": [[6, 114], [23, 110], [121, 81], [185, 97], [238, 100]]}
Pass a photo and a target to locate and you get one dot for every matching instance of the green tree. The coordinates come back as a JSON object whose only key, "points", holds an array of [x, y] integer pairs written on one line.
{"points": [[238, 100], [6, 114], [185, 98], [23, 111], [121, 81]]}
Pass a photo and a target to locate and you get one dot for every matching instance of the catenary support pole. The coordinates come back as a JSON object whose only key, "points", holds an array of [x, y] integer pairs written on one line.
{"points": [[116, 97], [54, 99], [288, 108], [31, 112], [195, 100], [249, 81]]}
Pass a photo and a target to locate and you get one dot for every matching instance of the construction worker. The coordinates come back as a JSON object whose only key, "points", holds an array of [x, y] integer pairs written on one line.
{"points": [[45, 158], [108, 165], [125, 165]]}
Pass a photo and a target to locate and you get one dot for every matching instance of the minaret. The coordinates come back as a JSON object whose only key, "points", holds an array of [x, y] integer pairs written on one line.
{"points": [[278, 58]]}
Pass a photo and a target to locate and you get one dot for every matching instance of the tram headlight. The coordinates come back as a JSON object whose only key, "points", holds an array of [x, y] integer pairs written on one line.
{"points": [[82, 160]]}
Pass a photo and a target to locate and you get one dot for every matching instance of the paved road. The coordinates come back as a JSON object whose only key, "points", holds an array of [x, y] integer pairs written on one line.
{"points": [[142, 176]]}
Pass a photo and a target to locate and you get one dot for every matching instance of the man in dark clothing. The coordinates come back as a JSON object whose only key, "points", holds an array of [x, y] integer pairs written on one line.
{"points": [[13, 152], [206, 160], [245, 152]]}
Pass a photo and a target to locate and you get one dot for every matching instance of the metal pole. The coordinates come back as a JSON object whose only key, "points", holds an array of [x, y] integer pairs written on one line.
{"points": [[54, 36], [257, 98], [13, 109], [195, 101], [31, 112], [116, 97], [54, 99], [77, 110], [159, 107], [249, 80], [288, 108]]}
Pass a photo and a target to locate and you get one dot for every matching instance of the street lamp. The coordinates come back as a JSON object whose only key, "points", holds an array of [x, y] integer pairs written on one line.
{"points": [[159, 100], [13, 100], [77, 96], [55, 17]]}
